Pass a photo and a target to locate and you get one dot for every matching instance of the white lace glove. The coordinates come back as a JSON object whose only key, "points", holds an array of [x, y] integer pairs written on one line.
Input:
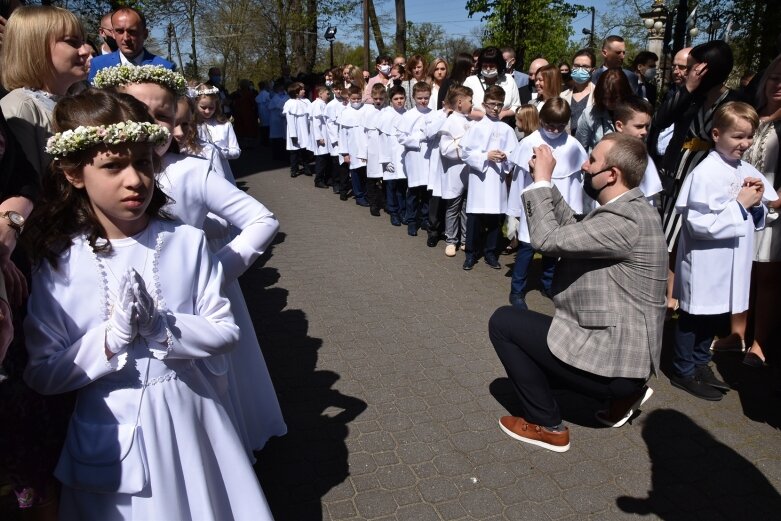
{"points": [[150, 322], [121, 327], [389, 167]]}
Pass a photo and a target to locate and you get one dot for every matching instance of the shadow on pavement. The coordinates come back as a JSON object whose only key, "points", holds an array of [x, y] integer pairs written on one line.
{"points": [[256, 160], [298, 469], [694, 476]]}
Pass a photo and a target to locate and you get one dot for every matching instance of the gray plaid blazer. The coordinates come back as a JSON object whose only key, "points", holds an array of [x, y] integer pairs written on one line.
{"points": [[610, 283]]}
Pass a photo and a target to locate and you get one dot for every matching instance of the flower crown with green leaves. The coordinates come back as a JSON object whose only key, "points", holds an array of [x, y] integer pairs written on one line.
{"points": [[126, 74], [81, 138]]}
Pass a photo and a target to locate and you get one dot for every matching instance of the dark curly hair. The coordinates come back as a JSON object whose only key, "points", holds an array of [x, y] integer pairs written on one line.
{"points": [[63, 210]]}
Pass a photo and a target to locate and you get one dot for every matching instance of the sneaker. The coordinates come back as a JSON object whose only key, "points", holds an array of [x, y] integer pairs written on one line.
{"points": [[521, 430], [395, 221], [695, 387], [450, 250], [622, 409], [463, 247], [704, 374], [493, 262], [517, 301], [412, 230], [469, 263]]}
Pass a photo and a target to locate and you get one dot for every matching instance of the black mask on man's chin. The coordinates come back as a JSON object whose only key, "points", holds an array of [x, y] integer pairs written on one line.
{"points": [[111, 42]]}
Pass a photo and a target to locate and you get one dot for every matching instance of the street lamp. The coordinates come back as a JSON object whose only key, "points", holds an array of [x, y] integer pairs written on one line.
{"points": [[330, 35]]}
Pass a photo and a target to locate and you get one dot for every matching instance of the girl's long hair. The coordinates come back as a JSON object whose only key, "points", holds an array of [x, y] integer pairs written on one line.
{"points": [[63, 210]]}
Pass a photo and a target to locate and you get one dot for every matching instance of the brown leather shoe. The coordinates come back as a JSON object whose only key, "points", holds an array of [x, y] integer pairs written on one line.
{"points": [[518, 428], [621, 410]]}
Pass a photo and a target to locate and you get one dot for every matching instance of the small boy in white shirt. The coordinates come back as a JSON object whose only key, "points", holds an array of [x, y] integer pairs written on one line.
{"points": [[296, 112], [722, 203], [353, 145], [390, 156], [321, 145], [339, 172], [374, 194]]}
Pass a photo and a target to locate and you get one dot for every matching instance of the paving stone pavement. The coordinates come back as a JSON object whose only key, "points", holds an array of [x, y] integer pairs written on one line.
{"points": [[379, 351]]}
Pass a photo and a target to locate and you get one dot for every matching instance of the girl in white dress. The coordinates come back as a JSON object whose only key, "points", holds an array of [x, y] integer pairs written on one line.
{"points": [[123, 303], [213, 126], [196, 192]]}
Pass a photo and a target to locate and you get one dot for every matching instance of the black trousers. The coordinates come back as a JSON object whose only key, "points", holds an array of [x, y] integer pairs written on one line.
{"points": [[520, 338], [374, 193], [436, 212]]}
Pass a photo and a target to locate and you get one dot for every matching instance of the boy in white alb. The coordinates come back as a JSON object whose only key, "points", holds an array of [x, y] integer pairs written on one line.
{"points": [[339, 173], [455, 175], [379, 98], [485, 148], [321, 145], [435, 120], [390, 156], [353, 145], [722, 203], [296, 112], [567, 177], [412, 135]]}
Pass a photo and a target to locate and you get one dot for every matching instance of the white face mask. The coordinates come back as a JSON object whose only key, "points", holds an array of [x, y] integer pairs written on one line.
{"points": [[356, 105], [329, 83], [490, 73], [385, 69], [550, 134]]}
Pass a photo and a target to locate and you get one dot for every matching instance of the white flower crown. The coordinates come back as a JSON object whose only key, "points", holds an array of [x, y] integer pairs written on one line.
{"points": [[202, 90], [81, 138], [125, 74]]}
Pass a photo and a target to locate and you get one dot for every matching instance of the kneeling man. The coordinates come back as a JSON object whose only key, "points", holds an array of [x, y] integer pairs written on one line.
{"points": [[605, 337]]}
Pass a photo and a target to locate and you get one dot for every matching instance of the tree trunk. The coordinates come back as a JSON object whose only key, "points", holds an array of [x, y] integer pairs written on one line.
{"points": [[376, 29], [401, 28], [297, 40], [311, 35]]}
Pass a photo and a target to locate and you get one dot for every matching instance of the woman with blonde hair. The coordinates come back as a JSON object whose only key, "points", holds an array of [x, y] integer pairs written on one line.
{"points": [[44, 53], [437, 72], [548, 84]]}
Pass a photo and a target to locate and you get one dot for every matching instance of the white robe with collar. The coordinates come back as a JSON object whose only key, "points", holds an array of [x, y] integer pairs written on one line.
{"points": [[414, 136], [487, 187], [390, 150], [455, 173]]}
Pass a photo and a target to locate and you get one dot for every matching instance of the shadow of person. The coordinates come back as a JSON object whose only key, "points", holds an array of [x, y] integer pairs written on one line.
{"points": [[298, 469], [696, 477]]}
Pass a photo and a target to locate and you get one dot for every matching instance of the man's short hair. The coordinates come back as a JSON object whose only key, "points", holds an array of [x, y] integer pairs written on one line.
{"points": [[732, 112], [494, 93], [612, 39], [382, 58], [294, 88], [420, 86], [378, 88], [455, 92], [127, 9], [556, 111], [354, 89], [625, 110], [643, 58], [509, 50], [629, 155], [588, 53]]}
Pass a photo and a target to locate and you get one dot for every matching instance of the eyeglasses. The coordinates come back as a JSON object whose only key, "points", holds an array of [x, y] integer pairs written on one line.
{"points": [[679, 67], [582, 68], [494, 106]]}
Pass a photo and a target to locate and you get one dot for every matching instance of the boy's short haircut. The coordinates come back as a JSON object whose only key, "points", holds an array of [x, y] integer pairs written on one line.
{"points": [[383, 58], [354, 89], [730, 113], [396, 90], [320, 89], [420, 86], [625, 110], [494, 93], [378, 88], [294, 88], [455, 92], [527, 119], [556, 111]]}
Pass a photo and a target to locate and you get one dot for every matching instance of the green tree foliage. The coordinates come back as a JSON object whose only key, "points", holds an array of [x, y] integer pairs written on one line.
{"points": [[533, 27]]}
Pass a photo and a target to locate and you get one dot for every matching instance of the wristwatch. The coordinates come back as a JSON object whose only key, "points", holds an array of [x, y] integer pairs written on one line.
{"points": [[15, 221]]}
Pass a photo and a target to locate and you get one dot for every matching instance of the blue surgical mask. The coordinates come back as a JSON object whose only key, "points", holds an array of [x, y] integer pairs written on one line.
{"points": [[580, 75]]}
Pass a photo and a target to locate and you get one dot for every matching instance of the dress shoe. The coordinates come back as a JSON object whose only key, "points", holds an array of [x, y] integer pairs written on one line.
{"points": [[705, 374], [412, 230], [320, 184], [493, 262], [425, 225], [450, 250], [362, 202], [395, 221], [729, 344], [517, 301], [295, 174], [621, 409], [343, 196], [432, 241], [374, 211], [753, 360], [469, 263], [521, 430], [695, 387]]}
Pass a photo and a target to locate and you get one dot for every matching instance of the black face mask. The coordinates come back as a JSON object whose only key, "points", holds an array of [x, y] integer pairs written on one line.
{"points": [[588, 185], [566, 77], [111, 42]]}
